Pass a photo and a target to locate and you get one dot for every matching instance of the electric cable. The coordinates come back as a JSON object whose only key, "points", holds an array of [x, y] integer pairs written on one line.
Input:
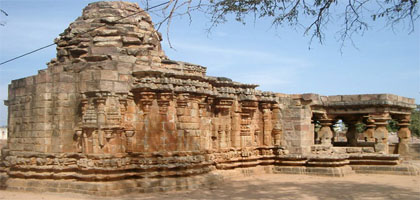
{"points": [[33, 51]]}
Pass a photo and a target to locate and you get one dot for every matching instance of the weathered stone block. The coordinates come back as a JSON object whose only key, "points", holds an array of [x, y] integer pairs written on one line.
{"points": [[121, 86], [112, 114], [43, 88], [106, 32], [127, 59], [106, 39], [131, 40], [108, 44], [335, 98], [96, 58], [108, 75], [350, 98], [100, 50], [105, 85]]}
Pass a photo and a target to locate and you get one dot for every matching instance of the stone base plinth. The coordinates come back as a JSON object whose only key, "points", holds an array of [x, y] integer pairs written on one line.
{"points": [[3, 179], [321, 171], [404, 169], [113, 188]]}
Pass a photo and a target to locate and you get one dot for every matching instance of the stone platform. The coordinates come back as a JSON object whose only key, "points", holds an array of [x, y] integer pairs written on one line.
{"points": [[113, 114]]}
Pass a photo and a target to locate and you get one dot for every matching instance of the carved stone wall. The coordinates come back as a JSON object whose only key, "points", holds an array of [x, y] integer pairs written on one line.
{"points": [[113, 114]]}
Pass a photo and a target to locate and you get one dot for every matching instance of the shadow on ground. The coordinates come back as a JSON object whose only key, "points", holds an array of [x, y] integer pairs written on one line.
{"points": [[259, 189]]}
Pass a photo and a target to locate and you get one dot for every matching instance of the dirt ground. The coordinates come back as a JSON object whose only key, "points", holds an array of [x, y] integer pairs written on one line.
{"points": [[275, 186]]}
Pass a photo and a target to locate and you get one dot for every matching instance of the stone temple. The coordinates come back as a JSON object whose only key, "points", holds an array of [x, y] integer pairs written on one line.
{"points": [[112, 114]]}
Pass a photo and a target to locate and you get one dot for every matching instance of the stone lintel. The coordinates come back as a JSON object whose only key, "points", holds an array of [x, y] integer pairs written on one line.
{"points": [[369, 100]]}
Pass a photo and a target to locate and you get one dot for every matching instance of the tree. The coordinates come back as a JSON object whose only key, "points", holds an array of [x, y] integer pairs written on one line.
{"points": [[360, 127], [2, 23], [392, 126], [355, 16], [415, 121]]}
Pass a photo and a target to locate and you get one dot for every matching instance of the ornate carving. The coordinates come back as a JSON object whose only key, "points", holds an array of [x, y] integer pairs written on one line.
{"points": [[182, 100], [112, 108], [277, 134], [146, 100], [249, 106], [245, 124], [404, 135], [267, 121], [164, 100], [223, 105], [79, 141], [370, 129], [129, 135], [352, 133], [381, 132], [325, 134]]}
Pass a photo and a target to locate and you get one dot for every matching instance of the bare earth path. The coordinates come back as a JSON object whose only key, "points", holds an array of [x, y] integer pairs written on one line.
{"points": [[275, 186]]}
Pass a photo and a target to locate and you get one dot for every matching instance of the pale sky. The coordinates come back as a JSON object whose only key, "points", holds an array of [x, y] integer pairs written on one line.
{"points": [[279, 60]]}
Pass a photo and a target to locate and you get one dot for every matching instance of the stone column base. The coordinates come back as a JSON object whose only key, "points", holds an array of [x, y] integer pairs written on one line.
{"points": [[321, 171], [113, 188]]}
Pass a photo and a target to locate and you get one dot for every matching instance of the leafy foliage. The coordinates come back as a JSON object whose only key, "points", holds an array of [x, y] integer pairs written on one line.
{"points": [[415, 122], [392, 125], [355, 16], [360, 127]]}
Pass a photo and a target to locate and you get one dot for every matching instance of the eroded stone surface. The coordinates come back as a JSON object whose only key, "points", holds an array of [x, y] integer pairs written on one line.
{"points": [[112, 114]]}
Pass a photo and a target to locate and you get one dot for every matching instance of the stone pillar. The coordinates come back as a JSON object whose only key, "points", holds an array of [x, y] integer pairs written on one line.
{"points": [[129, 145], [381, 133], [163, 103], [277, 132], [256, 137], [223, 108], [204, 123], [370, 129], [246, 139], [214, 134], [123, 111], [236, 130], [85, 147], [100, 104], [79, 141], [325, 134], [248, 109], [228, 133], [146, 102], [404, 135], [351, 133], [222, 137], [127, 124], [267, 124], [84, 104], [183, 118], [194, 133]]}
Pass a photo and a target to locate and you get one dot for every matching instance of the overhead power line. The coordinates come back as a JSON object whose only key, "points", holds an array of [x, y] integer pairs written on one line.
{"points": [[46, 46], [25, 54]]}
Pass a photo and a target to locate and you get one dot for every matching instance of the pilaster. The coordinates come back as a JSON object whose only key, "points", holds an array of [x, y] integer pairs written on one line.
{"points": [[404, 135], [370, 129], [381, 133], [325, 134]]}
